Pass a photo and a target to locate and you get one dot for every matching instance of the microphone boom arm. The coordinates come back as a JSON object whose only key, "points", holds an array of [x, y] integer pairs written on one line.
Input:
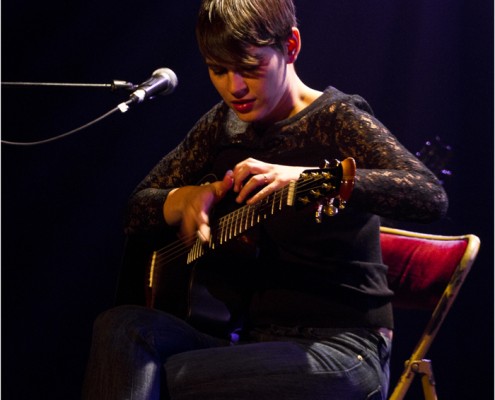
{"points": [[115, 85], [163, 81]]}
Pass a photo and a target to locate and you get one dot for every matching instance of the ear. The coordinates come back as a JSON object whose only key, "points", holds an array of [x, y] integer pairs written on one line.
{"points": [[293, 44]]}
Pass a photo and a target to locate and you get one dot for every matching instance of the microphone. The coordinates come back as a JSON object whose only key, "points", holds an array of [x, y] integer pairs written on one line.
{"points": [[162, 82]]}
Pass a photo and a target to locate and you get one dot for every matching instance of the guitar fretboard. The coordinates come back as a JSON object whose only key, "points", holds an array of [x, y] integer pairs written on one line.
{"points": [[239, 221]]}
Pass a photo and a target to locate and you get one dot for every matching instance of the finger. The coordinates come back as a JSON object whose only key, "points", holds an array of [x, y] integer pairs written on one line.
{"points": [[254, 183], [242, 171], [204, 233], [218, 190], [227, 182], [203, 230], [240, 174], [267, 190]]}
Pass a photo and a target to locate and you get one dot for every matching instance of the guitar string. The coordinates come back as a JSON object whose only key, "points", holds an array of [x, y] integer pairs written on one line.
{"points": [[179, 247]]}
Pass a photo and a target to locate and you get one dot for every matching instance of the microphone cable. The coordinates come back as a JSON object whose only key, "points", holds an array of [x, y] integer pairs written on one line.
{"points": [[163, 81], [123, 107]]}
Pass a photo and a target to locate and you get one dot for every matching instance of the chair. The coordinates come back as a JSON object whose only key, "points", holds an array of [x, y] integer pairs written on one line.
{"points": [[426, 272]]}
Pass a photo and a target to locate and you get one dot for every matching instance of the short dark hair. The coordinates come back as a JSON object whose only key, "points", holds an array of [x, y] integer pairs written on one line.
{"points": [[225, 29]]}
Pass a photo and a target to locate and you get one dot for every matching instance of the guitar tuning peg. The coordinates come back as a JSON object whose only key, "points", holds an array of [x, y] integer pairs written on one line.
{"points": [[315, 193], [319, 208], [329, 208], [330, 164]]}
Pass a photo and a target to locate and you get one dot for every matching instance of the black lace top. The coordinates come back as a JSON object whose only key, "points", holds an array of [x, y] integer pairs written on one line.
{"points": [[307, 273]]}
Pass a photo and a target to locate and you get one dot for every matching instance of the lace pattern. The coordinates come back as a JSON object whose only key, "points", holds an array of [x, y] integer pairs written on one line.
{"points": [[390, 181]]}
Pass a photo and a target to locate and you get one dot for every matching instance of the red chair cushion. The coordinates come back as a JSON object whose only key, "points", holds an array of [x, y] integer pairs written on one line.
{"points": [[419, 269]]}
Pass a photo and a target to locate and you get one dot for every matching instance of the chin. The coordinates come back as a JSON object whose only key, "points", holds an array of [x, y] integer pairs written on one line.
{"points": [[249, 117]]}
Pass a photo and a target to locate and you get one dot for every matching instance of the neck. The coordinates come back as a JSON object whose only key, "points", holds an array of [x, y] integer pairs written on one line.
{"points": [[297, 96], [302, 95]]}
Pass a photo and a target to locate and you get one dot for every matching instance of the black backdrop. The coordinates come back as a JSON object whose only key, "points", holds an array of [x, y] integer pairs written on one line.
{"points": [[425, 66]]}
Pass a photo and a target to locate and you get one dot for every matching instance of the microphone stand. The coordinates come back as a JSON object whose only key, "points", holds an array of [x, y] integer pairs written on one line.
{"points": [[115, 85]]}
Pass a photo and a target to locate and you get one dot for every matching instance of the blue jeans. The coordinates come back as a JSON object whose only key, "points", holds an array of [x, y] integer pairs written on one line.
{"points": [[139, 354]]}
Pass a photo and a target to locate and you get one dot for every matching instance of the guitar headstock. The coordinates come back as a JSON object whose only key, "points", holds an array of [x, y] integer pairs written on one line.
{"points": [[330, 187]]}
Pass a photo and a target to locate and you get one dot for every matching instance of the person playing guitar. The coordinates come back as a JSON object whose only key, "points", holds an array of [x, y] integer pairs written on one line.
{"points": [[305, 312]]}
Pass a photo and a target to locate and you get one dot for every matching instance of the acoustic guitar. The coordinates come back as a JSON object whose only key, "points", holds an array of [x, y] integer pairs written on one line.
{"points": [[198, 293]]}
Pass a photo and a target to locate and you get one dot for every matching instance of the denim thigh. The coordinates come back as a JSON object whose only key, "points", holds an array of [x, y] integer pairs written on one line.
{"points": [[130, 345], [312, 364]]}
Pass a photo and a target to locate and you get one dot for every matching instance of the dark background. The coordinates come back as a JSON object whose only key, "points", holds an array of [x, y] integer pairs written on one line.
{"points": [[426, 67]]}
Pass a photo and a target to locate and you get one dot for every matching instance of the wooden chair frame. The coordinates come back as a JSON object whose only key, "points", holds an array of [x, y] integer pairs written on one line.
{"points": [[417, 364]]}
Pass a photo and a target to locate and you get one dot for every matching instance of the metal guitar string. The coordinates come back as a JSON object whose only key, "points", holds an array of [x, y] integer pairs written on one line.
{"points": [[179, 248]]}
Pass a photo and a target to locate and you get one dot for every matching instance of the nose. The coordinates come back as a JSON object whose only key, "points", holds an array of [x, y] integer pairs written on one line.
{"points": [[237, 84]]}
